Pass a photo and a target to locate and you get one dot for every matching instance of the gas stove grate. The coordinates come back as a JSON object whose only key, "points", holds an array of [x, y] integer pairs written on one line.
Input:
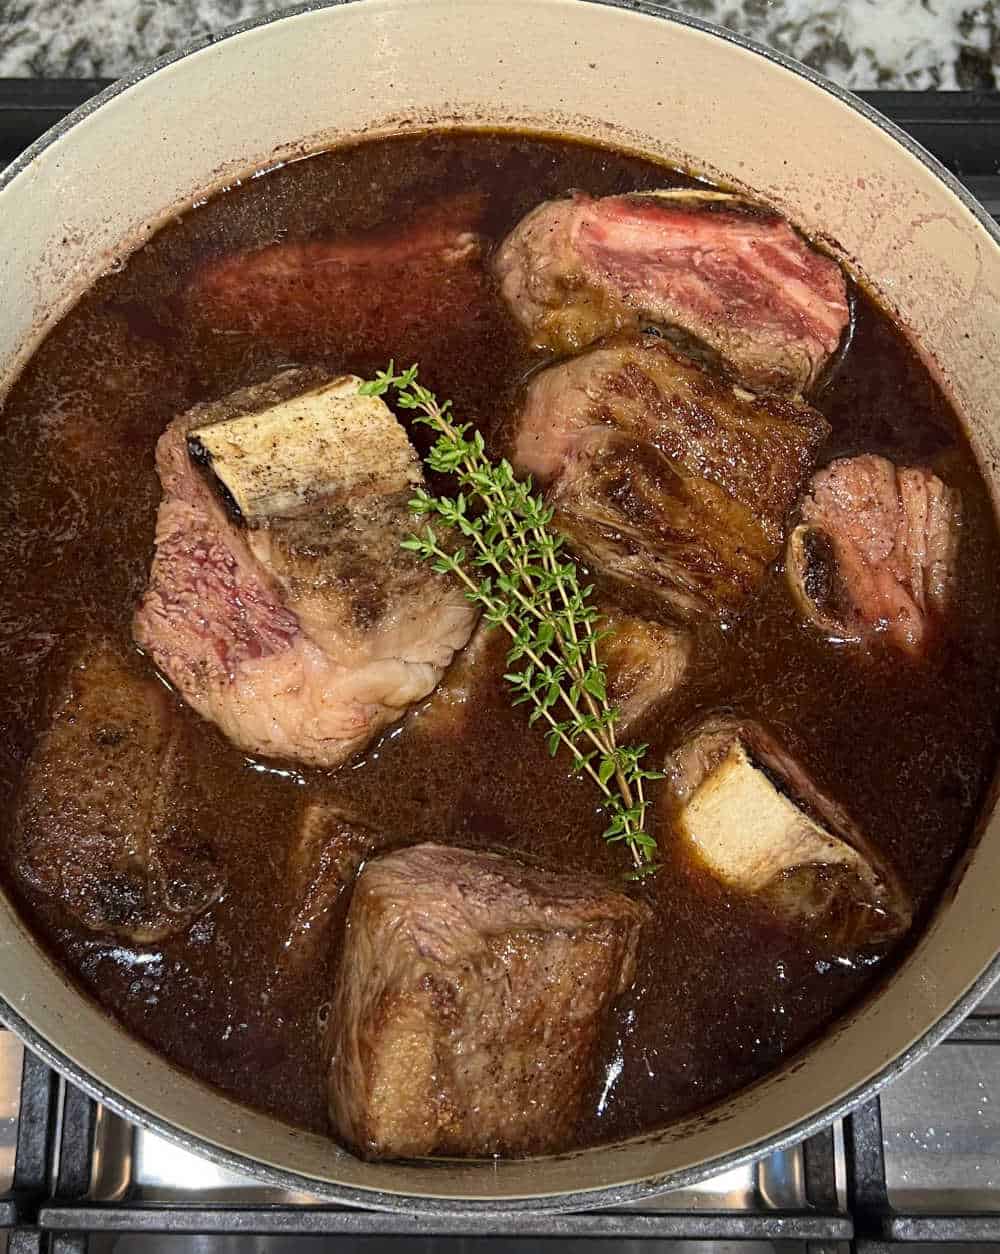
{"points": [[830, 1194], [844, 1196]]}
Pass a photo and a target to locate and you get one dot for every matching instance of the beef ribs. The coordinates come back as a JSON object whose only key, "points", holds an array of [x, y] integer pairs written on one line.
{"points": [[736, 277], [304, 633], [759, 823], [645, 661], [471, 995], [110, 825], [405, 287], [328, 849], [664, 476], [875, 551]]}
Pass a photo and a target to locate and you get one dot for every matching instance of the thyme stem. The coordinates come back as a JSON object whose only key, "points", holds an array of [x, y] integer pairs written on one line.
{"points": [[516, 571]]}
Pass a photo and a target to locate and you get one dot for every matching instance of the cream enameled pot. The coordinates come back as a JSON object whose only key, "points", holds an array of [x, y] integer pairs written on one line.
{"points": [[635, 76]]}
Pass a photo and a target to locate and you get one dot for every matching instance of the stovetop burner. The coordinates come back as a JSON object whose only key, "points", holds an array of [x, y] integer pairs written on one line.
{"points": [[916, 1168]]}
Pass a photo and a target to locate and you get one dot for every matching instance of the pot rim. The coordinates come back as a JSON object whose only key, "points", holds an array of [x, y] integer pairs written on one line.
{"points": [[601, 1198]]}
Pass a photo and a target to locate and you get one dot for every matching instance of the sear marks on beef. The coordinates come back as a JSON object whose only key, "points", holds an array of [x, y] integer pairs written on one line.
{"points": [[757, 449], [471, 995], [875, 551], [645, 662], [110, 825], [762, 826], [643, 524], [664, 476], [347, 291], [301, 636], [736, 277], [329, 849]]}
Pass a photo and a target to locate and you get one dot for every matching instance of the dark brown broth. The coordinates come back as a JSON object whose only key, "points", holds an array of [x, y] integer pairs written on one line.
{"points": [[723, 992]]}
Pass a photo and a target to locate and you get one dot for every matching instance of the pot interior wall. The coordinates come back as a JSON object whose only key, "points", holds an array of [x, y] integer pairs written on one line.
{"points": [[620, 76]]}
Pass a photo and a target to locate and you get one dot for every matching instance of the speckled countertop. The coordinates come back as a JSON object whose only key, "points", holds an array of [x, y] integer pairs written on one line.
{"points": [[914, 44]]}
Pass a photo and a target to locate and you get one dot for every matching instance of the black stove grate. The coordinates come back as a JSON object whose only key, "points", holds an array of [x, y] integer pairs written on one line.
{"points": [[47, 1210]]}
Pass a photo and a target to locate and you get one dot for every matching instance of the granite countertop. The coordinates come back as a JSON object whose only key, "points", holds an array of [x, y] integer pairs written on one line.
{"points": [[910, 44]]}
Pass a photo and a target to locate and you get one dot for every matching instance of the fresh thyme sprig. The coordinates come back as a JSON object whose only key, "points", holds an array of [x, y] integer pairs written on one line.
{"points": [[515, 570]]}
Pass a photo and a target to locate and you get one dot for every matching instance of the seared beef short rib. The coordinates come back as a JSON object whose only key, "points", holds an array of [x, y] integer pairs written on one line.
{"points": [[665, 477], [471, 995], [301, 633], [760, 824], [644, 662], [307, 295], [327, 851], [111, 824], [735, 276], [875, 551]]}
